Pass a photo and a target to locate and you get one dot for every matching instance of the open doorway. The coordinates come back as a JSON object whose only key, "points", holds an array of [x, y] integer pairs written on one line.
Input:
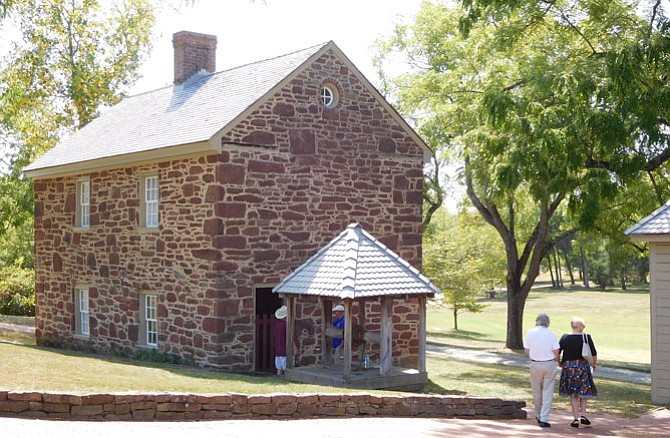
{"points": [[266, 304]]}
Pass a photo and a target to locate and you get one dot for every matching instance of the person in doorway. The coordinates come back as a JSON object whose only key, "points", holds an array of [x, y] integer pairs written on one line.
{"points": [[280, 340], [338, 322], [541, 345], [576, 376]]}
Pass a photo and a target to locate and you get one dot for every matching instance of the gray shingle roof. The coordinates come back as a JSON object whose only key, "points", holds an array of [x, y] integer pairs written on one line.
{"points": [[356, 265], [176, 115], [656, 223]]}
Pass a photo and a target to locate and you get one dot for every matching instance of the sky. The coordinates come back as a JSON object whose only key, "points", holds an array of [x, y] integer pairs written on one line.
{"points": [[249, 31]]}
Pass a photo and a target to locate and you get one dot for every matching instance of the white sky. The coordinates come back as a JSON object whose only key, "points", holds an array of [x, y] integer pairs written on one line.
{"points": [[249, 31]]}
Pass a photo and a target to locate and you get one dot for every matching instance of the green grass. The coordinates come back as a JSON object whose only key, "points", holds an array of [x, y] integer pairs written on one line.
{"points": [[447, 376], [618, 321], [30, 368]]}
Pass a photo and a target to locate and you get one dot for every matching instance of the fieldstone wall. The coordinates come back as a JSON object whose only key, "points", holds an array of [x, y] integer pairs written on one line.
{"points": [[291, 176], [166, 407]]}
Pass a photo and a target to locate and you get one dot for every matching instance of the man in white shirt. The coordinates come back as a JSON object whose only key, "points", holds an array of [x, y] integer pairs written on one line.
{"points": [[541, 345]]}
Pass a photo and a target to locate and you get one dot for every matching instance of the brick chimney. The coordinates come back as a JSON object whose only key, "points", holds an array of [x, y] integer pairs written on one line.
{"points": [[192, 52]]}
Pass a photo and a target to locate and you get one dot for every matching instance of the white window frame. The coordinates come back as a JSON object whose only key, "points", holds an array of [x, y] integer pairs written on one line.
{"points": [[150, 197], [328, 96], [83, 210], [82, 312], [149, 319]]}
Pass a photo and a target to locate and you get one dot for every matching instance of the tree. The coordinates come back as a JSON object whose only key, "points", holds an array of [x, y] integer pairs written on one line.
{"points": [[74, 57], [556, 103], [461, 260]]}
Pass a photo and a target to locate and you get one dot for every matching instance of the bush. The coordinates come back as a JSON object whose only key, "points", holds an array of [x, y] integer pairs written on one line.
{"points": [[17, 292]]}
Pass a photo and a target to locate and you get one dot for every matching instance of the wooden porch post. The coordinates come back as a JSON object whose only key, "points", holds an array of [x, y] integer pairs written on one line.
{"points": [[422, 334], [346, 372], [290, 329], [386, 335], [327, 321]]}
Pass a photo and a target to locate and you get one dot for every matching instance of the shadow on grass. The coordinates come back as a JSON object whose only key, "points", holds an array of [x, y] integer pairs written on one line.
{"points": [[267, 380]]}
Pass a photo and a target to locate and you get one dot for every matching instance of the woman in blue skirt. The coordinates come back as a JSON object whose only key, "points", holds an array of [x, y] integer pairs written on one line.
{"points": [[576, 375]]}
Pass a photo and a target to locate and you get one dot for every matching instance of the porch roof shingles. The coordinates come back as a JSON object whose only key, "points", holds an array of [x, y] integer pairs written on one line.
{"points": [[356, 265], [657, 223], [176, 115]]}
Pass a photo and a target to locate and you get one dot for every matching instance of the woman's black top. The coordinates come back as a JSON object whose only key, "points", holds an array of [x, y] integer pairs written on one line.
{"points": [[571, 346]]}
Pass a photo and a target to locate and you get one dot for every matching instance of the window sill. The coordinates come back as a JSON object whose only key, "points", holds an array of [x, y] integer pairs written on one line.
{"points": [[148, 230], [147, 347], [82, 337], [81, 229]]}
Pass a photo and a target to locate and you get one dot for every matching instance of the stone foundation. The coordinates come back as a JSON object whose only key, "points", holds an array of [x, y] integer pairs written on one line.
{"points": [[174, 407]]}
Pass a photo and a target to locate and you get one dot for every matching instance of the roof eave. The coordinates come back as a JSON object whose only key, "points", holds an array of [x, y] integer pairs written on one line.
{"points": [[206, 147], [649, 237]]}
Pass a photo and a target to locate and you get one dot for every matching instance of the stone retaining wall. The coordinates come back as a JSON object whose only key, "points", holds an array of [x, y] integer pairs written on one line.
{"points": [[168, 407]]}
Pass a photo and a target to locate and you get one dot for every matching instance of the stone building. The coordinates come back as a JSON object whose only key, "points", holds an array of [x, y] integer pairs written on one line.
{"points": [[166, 222]]}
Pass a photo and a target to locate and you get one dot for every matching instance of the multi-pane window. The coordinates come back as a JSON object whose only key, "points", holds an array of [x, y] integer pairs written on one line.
{"points": [[82, 312], [151, 322], [151, 202], [83, 219], [85, 203]]}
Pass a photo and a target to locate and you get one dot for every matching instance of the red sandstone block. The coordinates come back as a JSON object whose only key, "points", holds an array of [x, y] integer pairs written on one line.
{"points": [[222, 407], [242, 409], [33, 414], [55, 398], [213, 399], [284, 398], [61, 408], [393, 399], [86, 411], [307, 409], [143, 405], [216, 415], [264, 409], [178, 407], [287, 408], [14, 406], [331, 411], [97, 399], [375, 399], [128, 398], [145, 414], [3, 395], [259, 399], [329, 398], [118, 417], [24, 396]]}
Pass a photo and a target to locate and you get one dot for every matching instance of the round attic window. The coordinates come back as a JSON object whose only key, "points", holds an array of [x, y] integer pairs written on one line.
{"points": [[328, 96]]}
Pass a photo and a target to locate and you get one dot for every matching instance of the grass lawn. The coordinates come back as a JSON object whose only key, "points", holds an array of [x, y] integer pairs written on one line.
{"points": [[619, 322]]}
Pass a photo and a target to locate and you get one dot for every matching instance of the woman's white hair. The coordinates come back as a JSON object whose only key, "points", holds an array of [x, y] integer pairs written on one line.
{"points": [[576, 320]]}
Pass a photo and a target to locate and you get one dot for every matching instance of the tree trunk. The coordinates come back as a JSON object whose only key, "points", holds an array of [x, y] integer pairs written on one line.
{"points": [[455, 319], [585, 269], [551, 271], [559, 270], [623, 278], [515, 306], [556, 268], [568, 265]]}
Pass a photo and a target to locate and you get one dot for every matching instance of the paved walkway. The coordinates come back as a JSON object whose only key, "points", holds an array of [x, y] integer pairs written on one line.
{"points": [[655, 424], [522, 361]]}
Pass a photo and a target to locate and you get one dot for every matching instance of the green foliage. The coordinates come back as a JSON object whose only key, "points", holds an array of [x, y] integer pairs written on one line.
{"points": [[542, 102], [153, 355], [461, 257], [74, 57], [17, 292]]}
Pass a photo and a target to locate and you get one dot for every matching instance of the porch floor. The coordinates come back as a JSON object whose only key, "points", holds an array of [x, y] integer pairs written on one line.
{"points": [[406, 379]]}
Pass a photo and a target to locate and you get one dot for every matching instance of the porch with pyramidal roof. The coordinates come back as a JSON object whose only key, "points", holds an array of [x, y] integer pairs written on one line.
{"points": [[357, 268]]}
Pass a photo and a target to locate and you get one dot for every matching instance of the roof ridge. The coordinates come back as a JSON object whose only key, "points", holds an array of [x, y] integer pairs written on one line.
{"points": [[216, 73]]}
